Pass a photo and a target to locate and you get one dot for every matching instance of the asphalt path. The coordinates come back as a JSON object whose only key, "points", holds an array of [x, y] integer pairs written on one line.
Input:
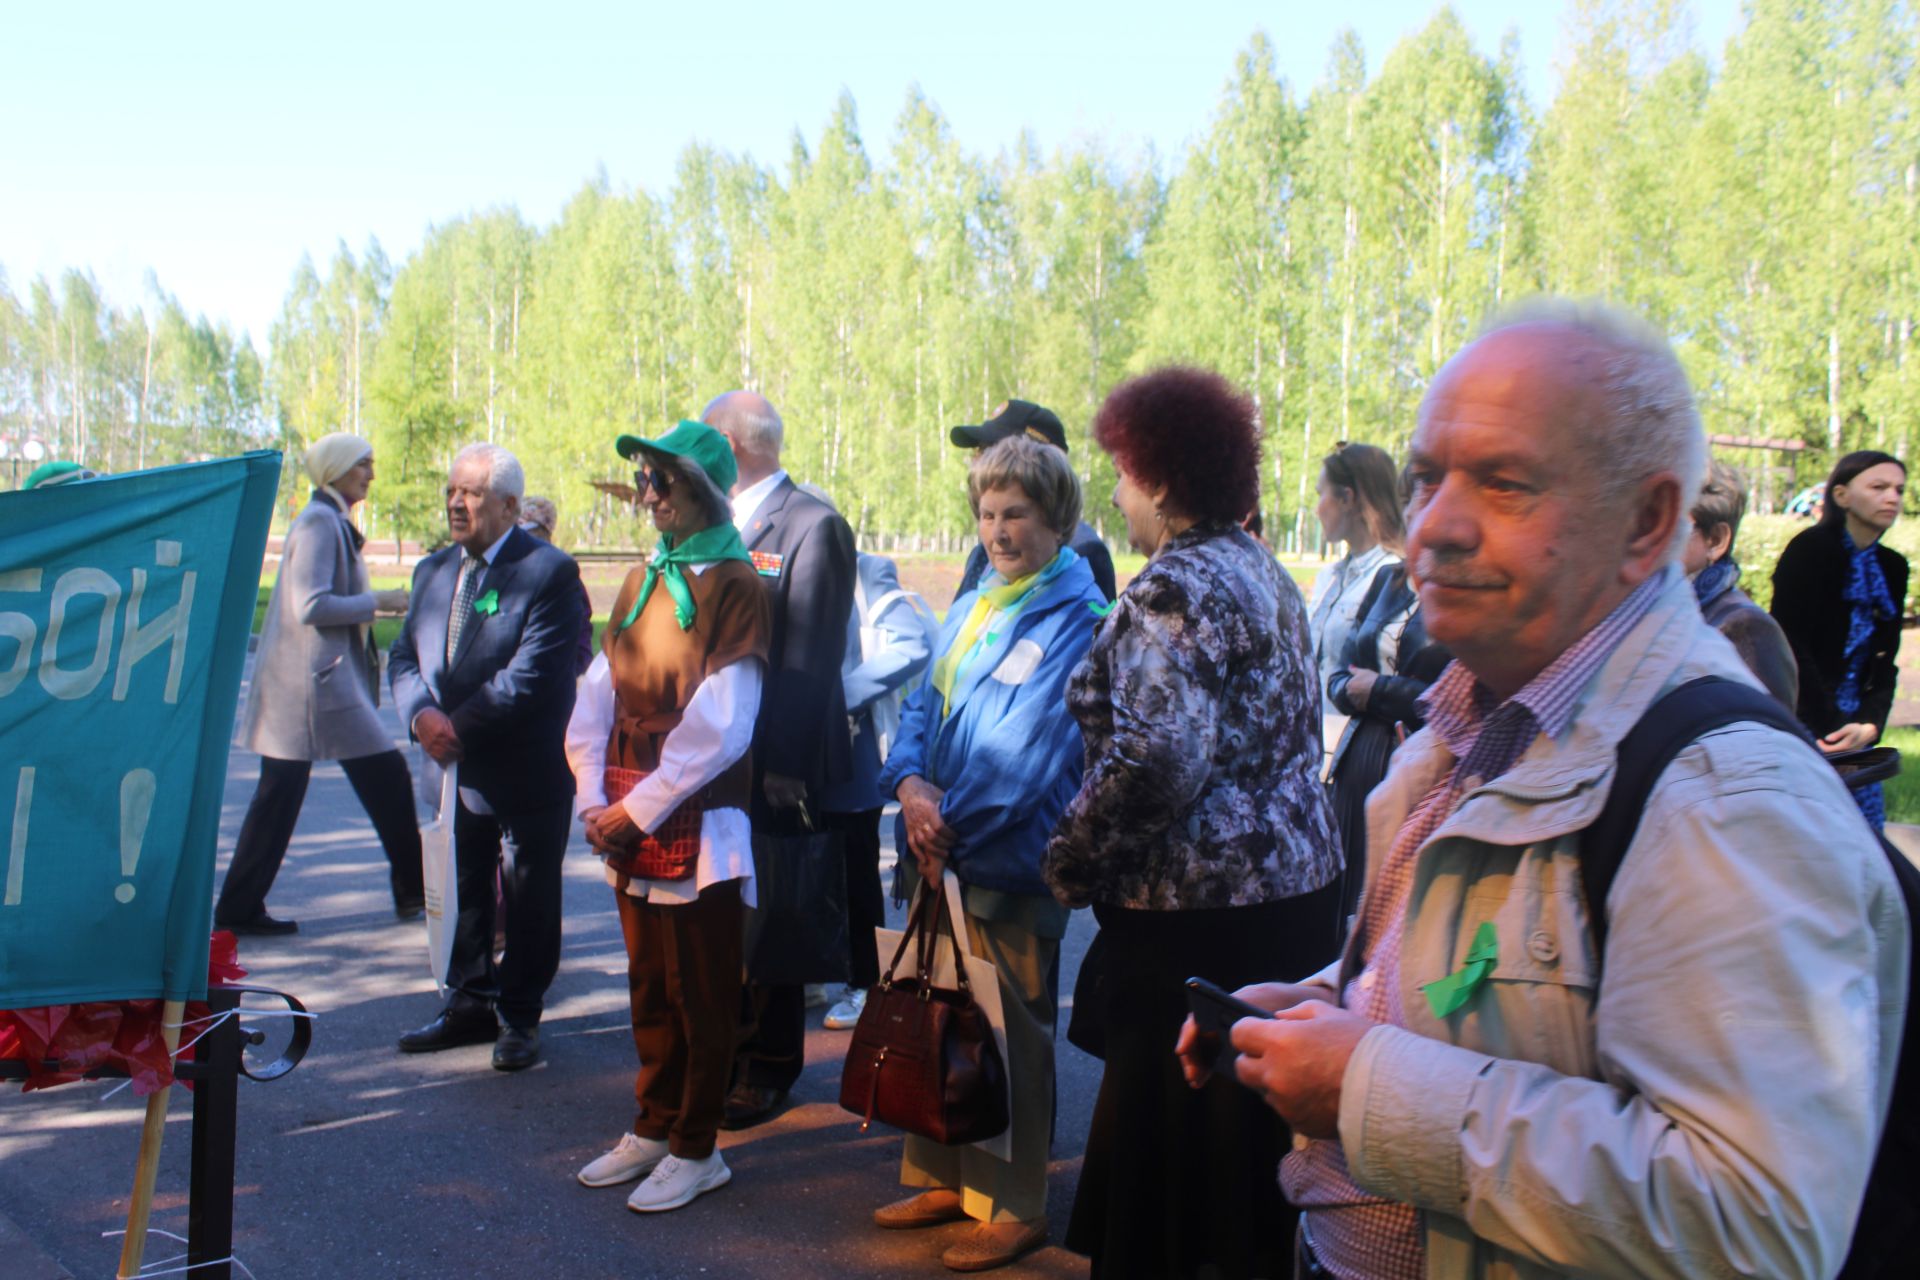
{"points": [[366, 1162]]}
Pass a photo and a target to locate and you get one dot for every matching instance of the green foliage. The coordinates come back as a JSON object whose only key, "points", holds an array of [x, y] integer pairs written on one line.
{"points": [[1326, 250]]}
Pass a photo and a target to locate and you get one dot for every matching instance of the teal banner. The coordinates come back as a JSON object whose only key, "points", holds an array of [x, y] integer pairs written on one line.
{"points": [[125, 604]]}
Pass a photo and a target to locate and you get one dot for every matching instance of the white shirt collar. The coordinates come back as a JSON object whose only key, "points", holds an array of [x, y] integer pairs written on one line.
{"points": [[746, 503], [494, 550]]}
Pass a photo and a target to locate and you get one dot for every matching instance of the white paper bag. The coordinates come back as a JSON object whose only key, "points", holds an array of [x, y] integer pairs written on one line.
{"points": [[437, 868], [981, 976]]}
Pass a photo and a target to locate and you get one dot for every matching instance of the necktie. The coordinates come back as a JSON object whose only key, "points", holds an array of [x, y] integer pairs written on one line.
{"points": [[471, 569]]}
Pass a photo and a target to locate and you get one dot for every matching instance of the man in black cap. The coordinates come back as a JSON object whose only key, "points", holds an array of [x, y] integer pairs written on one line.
{"points": [[1022, 417]]}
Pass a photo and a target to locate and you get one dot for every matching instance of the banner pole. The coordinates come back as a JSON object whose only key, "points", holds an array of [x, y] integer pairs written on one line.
{"points": [[147, 1169]]}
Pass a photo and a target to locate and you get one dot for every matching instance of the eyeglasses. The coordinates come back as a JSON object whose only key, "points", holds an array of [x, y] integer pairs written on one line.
{"points": [[658, 477]]}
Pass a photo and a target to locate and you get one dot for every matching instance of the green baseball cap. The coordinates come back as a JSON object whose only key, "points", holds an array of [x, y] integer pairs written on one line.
{"points": [[694, 442]]}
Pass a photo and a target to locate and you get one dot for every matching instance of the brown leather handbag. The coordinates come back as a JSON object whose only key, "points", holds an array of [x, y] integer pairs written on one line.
{"points": [[923, 1058]]}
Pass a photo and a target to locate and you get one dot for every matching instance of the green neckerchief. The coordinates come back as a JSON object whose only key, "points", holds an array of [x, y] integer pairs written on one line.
{"points": [[716, 542], [1007, 598]]}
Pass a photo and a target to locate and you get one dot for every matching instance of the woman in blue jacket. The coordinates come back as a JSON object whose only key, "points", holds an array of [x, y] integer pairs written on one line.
{"points": [[983, 766]]}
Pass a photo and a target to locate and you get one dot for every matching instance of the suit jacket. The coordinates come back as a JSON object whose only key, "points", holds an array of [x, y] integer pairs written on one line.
{"points": [[312, 692], [1806, 603], [509, 688], [804, 554]]}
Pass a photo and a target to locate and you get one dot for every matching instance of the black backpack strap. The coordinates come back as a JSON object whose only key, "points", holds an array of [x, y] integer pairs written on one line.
{"points": [[1677, 718]]}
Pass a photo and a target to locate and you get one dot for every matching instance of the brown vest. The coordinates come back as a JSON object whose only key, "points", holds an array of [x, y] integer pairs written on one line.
{"points": [[656, 666]]}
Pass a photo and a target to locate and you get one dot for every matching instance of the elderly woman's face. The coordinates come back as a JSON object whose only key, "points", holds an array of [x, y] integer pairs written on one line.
{"points": [[1145, 525], [358, 479], [1016, 536], [668, 497]]}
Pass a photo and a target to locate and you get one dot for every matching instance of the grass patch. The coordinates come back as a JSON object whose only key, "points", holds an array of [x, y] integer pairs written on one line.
{"points": [[1902, 791]]}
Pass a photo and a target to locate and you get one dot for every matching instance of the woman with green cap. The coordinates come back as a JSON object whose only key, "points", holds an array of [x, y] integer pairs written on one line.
{"points": [[659, 747]]}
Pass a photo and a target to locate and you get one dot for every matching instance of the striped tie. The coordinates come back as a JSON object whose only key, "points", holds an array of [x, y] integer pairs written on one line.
{"points": [[471, 570]]}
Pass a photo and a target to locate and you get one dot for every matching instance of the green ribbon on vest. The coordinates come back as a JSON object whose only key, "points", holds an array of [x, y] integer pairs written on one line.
{"points": [[1450, 993], [716, 542]]}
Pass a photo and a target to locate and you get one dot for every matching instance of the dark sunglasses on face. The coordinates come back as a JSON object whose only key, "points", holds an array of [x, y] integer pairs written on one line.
{"points": [[658, 477]]}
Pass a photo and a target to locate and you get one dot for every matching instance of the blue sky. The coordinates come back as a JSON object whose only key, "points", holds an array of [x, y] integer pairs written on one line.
{"points": [[214, 143]]}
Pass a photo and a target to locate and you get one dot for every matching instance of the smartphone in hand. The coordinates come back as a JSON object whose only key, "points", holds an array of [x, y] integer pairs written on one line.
{"points": [[1214, 1013]]}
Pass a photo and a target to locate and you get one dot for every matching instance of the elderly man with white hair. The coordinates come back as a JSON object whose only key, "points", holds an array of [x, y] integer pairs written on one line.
{"points": [[1501, 1078], [483, 675]]}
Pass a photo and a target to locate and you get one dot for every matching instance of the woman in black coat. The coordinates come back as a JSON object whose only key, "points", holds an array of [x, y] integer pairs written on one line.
{"points": [[1840, 595], [1389, 663]]}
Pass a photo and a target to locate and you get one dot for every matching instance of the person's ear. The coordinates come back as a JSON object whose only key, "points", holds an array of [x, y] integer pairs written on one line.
{"points": [[1720, 543], [1655, 520]]}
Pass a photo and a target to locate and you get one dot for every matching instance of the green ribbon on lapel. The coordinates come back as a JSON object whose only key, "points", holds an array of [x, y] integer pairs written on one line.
{"points": [[488, 604], [1450, 993], [717, 542]]}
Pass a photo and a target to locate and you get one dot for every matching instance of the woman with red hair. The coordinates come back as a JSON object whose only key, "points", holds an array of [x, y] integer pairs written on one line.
{"points": [[1201, 836]]}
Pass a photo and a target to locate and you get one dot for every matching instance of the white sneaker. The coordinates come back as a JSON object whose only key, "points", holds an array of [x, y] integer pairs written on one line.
{"points": [[846, 1015], [631, 1157], [676, 1182]]}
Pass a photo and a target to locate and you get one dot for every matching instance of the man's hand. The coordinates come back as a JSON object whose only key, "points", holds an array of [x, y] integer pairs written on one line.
{"points": [[612, 829], [391, 601], [437, 737], [1360, 685], [1296, 1061], [1849, 737], [1271, 996], [784, 791], [928, 835]]}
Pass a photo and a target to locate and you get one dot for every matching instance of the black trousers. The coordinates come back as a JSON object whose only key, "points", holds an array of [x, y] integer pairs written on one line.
{"points": [[866, 901], [385, 788], [526, 849]]}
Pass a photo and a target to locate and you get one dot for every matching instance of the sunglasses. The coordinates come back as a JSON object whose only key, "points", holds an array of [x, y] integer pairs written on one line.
{"points": [[658, 477]]}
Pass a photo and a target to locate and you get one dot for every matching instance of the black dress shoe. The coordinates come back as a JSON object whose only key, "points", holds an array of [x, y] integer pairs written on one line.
{"points": [[409, 910], [516, 1050], [750, 1104], [449, 1031], [260, 926]]}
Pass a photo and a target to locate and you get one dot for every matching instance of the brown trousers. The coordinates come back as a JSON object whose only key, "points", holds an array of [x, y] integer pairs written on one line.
{"points": [[683, 980]]}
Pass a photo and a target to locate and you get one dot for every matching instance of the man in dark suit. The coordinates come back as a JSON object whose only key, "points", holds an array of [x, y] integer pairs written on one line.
{"points": [[1036, 422], [483, 675], [803, 551]]}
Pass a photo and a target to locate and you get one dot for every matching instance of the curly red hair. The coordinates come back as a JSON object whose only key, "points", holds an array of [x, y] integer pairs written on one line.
{"points": [[1190, 430]]}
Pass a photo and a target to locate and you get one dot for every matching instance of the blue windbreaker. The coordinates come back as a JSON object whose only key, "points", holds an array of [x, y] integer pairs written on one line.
{"points": [[1009, 755]]}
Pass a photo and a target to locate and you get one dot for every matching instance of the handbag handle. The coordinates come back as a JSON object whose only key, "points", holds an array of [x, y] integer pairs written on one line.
{"points": [[927, 932]]}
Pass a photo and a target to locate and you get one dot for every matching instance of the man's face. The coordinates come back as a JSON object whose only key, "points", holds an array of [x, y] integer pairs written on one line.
{"points": [[1514, 553], [477, 516]]}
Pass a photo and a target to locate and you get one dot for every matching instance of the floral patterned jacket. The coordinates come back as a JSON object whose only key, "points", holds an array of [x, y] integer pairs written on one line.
{"points": [[1200, 709]]}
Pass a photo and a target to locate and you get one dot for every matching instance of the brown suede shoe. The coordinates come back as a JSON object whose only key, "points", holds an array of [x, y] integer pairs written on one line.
{"points": [[928, 1209], [995, 1244]]}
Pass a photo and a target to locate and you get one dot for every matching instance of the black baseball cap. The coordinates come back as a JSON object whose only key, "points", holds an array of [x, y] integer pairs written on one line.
{"points": [[1013, 418]]}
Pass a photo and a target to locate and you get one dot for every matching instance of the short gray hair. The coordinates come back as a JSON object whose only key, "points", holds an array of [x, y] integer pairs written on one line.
{"points": [[1647, 421], [750, 419], [504, 475], [1040, 470]]}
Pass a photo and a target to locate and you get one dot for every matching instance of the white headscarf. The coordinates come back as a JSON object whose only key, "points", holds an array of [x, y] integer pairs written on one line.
{"points": [[332, 456]]}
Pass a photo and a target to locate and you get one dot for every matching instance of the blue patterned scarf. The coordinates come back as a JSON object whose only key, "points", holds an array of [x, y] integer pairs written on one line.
{"points": [[1868, 600], [1715, 581]]}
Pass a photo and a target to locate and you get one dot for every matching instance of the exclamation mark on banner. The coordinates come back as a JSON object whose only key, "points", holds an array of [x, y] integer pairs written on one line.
{"points": [[17, 854], [136, 805]]}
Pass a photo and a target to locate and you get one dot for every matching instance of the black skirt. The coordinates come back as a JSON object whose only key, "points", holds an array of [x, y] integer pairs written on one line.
{"points": [[1180, 1182], [1362, 765]]}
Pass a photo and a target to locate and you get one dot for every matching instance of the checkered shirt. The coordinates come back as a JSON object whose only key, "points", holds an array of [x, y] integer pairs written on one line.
{"points": [[1358, 1235]]}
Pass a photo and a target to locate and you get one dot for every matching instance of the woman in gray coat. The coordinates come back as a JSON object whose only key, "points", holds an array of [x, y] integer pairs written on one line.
{"points": [[314, 693]]}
